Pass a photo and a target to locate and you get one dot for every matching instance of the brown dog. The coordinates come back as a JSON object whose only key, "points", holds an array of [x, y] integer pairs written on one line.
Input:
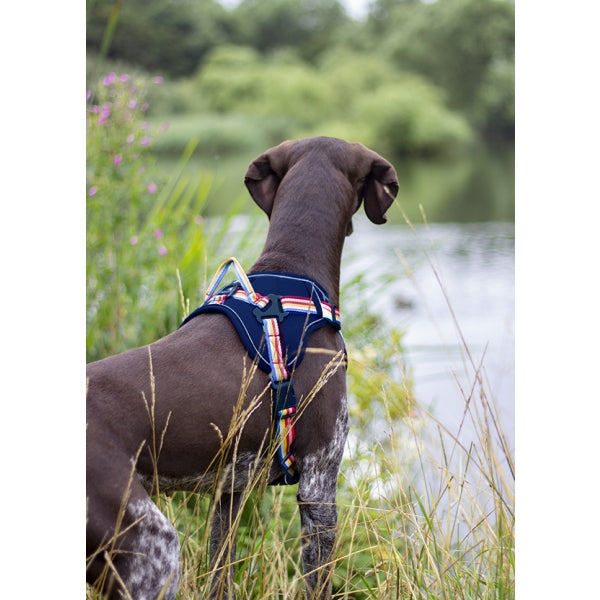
{"points": [[157, 415]]}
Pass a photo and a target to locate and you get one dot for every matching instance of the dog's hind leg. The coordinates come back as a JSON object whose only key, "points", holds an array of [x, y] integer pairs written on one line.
{"points": [[223, 541], [152, 568], [135, 547]]}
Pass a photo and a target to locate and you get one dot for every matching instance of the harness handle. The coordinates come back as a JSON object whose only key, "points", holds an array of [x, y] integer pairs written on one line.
{"points": [[240, 274]]}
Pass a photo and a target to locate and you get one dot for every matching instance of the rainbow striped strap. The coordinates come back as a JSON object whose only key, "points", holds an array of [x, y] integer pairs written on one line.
{"points": [[284, 399], [293, 304], [246, 286], [275, 346], [286, 434]]}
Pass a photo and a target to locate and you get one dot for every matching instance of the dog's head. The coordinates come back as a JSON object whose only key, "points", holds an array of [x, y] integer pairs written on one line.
{"points": [[371, 178]]}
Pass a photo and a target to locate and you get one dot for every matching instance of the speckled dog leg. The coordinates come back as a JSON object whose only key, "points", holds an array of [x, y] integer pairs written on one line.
{"points": [[318, 512]]}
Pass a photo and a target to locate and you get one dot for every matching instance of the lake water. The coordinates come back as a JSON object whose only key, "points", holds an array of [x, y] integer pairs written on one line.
{"points": [[451, 288]]}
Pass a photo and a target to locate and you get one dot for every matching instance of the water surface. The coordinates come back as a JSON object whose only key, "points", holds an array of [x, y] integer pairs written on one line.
{"points": [[451, 288]]}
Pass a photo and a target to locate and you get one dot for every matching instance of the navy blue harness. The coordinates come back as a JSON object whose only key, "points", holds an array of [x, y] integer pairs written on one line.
{"points": [[274, 315]]}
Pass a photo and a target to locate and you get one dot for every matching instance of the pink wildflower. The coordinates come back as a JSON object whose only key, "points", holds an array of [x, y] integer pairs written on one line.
{"points": [[158, 79], [110, 79], [117, 159], [130, 138], [162, 250], [133, 240], [124, 78], [104, 113], [132, 104], [144, 106], [145, 141], [158, 234], [152, 188], [92, 191]]}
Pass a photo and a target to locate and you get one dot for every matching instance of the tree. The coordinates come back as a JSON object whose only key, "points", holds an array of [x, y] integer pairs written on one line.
{"points": [[170, 37], [308, 26], [464, 46]]}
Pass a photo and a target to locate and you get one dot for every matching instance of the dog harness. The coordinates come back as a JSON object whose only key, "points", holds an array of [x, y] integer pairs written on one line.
{"points": [[274, 314]]}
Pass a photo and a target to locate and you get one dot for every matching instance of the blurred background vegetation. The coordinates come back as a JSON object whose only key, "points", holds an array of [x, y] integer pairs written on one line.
{"points": [[428, 85]]}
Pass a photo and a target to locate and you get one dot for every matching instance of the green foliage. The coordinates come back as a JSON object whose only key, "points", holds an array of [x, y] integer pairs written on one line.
{"points": [[165, 37], [282, 87], [464, 46], [217, 134], [410, 118], [364, 100], [142, 229], [307, 26]]}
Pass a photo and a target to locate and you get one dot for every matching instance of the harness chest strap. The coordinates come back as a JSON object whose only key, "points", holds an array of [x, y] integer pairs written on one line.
{"points": [[285, 402]]}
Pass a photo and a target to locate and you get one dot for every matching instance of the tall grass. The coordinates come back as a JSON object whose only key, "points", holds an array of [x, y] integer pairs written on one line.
{"points": [[419, 518]]}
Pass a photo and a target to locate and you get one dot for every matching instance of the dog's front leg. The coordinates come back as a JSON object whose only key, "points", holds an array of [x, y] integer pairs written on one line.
{"points": [[319, 521], [318, 511], [223, 540]]}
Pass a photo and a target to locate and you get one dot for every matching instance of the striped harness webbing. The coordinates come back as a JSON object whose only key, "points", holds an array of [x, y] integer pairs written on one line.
{"points": [[274, 314]]}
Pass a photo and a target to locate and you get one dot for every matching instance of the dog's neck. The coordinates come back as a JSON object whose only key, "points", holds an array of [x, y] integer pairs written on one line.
{"points": [[306, 238]]}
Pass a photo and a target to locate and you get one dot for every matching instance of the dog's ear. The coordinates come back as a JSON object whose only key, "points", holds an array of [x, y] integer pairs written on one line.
{"points": [[380, 188], [264, 175]]}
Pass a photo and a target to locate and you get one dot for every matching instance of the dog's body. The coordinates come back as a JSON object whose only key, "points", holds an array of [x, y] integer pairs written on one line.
{"points": [[175, 398]]}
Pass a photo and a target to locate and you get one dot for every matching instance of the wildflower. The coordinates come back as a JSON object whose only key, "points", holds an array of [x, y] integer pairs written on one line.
{"points": [[144, 106], [158, 234], [145, 141], [158, 80], [162, 250], [104, 113], [144, 126], [132, 104], [117, 159], [88, 94], [92, 191], [130, 138], [152, 188], [133, 240], [110, 79], [124, 78]]}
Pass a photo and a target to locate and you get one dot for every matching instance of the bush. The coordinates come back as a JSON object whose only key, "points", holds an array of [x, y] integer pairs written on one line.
{"points": [[236, 79], [410, 118]]}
